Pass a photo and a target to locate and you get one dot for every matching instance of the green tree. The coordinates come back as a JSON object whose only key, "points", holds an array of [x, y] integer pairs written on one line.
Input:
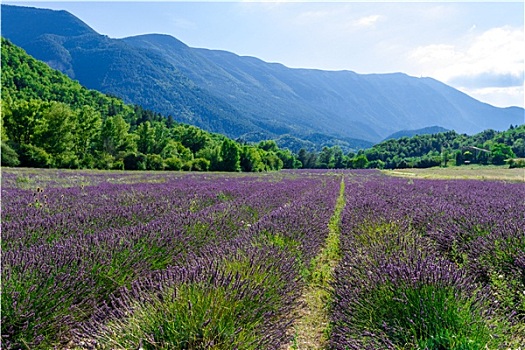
{"points": [[174, 148], [230, 156], [271, 161], [268, 146], [154, 162], [213, 154], [191, 137], [339, 158], [325, 160], [376, 164], [200, 164], [54, 133], [173, 163], [288, 159], [302, 156], [35, 157], [20, 119], [145, 138], [114, 138], [459, 158], [135, 161], [500, 152], [360, 162], [86, 133], [251, 159]]}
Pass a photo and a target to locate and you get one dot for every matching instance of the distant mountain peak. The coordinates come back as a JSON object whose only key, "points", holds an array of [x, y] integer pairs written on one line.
{"points": [[37, 22]]}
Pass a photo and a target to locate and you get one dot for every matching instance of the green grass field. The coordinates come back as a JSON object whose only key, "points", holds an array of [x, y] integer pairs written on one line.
{"points": [[473, 172]]}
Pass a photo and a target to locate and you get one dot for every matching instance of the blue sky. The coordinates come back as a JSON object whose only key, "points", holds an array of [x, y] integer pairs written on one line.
{"points": [[477, 47]]}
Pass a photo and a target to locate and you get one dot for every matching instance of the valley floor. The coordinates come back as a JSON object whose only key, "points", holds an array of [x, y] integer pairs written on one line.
{"points": [[473, 172]]}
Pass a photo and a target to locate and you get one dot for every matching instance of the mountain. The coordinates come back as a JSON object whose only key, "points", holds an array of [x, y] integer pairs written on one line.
{"points": [[244, 97], [409, 133]]}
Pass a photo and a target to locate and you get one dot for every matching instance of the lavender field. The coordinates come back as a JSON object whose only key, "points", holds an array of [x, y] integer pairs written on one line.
{"points": [[158, 260]]}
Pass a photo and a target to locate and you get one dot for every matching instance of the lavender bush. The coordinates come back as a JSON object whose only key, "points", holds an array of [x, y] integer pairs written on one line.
{"points": [[71, 254], [418, 257]]}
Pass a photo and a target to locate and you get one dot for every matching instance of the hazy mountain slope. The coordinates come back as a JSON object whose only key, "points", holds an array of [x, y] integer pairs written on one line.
{"points": [[362, 106], [235, 95], [410, 133], [254, 87]]}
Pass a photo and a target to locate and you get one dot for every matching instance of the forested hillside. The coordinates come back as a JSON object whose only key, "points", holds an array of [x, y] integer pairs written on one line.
{"points": [[49, 120]]}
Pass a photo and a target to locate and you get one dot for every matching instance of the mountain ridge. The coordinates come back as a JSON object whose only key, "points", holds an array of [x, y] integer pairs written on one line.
{"points": [[409, 133], [242, 95]]}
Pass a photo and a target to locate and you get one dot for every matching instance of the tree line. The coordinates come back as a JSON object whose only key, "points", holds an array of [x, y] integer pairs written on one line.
{"points": [[424, 151]]}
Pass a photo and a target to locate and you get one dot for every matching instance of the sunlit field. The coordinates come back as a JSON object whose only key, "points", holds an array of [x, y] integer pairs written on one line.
{"points": [[171, 260], [473, 172]]}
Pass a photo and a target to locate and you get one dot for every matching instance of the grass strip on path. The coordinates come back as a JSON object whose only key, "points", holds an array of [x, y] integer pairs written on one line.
{"points": [[311, 329]]}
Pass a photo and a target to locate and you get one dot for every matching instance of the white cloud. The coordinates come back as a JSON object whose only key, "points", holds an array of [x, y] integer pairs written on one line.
{"points": [[489, 66], [368, 21], [500, 97], [498, 51]]}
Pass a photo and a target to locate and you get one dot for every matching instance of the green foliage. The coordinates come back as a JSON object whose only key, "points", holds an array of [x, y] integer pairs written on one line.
{"points": [[499, 152], [272, 161], [34, 156], [135, 161], [268, 145], [425, 317], [200, 164], [192, 317], [360, 162], [424, 151], [325, 159], [191, 137], [154, 162], [288, 159], [230, 156], [9, 155], [173, 163], [211, 314], [176, 149], [251, 159], [114, 137], [517, 163]]}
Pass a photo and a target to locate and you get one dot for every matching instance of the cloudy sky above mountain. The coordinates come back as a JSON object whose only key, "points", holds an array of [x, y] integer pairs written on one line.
{"points": [[477, 47]]}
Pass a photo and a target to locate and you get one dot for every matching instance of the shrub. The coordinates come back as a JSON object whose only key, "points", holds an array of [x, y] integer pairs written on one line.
{"points": [[201, 164], [517, 163], [135, 161], [154, 162], [173, 163], [36, 157], [9, 156]]}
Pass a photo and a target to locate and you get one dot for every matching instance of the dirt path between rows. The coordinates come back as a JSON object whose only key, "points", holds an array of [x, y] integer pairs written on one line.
{"points": [[311, 328]]}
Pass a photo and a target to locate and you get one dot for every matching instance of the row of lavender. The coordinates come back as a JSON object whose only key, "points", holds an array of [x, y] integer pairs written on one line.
{"points": [[430, 265], [192, 261]]}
